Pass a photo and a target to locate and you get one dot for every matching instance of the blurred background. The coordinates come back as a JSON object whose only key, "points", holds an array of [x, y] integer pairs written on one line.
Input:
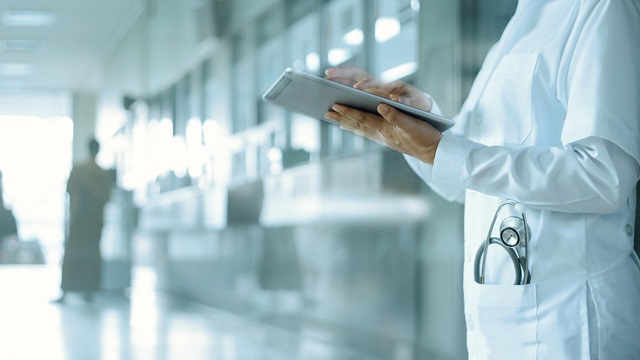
{"points": [[235, 229]]}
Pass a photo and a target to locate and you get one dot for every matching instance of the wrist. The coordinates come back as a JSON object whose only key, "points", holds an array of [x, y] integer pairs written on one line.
{"points": [[429, 153]]}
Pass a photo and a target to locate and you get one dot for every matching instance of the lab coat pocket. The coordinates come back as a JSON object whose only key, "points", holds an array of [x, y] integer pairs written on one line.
{"points": [[504, 112], [507, 320]]}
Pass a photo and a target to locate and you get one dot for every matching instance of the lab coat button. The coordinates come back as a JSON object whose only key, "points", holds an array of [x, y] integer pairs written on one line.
{"points": [[629, 229]]}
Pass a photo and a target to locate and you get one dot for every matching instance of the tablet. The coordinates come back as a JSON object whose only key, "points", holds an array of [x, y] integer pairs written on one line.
{"points": [[314, 96]]}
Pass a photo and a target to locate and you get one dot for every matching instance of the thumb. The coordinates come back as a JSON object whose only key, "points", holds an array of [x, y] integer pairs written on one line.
{"points": [[393, 116]]}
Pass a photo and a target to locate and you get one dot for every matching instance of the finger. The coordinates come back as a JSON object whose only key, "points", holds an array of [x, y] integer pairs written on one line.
{"points": [[369, 82], [351, 72], [351, 126], [399, 119], [392, 115], [366, 119], [378, 92], [345, 122], [343, 80]]}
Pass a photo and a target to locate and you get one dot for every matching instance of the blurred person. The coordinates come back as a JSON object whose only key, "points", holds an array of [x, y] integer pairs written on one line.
{"points": [[89, 187], [8, 226], [552, 125]]}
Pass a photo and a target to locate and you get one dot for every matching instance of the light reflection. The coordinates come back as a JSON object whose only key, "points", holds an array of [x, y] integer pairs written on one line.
{"points": [[274, 155], [211, 132], [194, 137], [399, 72], [144, 319], [312, 61], [229, 348], [178, 156], [354, 37], [110, 339], [36, 200], [387, 28], [165, 140], [338, 56]]}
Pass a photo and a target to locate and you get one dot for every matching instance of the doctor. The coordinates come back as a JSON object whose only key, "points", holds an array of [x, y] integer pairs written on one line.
{"points": [[552, 123]]}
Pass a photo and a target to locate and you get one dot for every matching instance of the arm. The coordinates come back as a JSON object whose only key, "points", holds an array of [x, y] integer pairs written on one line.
{"points": [[593, 175]]}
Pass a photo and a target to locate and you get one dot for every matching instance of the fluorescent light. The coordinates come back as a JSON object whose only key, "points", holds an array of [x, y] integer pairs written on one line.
{"points": [[28, 18], [22, 45], [16, 69], [11, 84]]}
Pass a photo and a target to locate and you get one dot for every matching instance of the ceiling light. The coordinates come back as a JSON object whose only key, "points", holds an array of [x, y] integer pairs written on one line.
{"points": [[22, 45], [28, 18], [16, 69]]}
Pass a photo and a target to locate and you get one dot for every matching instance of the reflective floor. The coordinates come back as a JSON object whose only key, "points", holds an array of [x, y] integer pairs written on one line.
{"points": [[141, 324]]}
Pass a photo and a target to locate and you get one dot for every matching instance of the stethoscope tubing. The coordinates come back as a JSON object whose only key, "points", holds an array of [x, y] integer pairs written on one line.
{"points": [[519, 260]]}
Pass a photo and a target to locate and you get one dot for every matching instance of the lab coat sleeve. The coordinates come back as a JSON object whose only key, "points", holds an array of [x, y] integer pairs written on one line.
{"points": [[446, 190], [593, 175], [599, 77]]}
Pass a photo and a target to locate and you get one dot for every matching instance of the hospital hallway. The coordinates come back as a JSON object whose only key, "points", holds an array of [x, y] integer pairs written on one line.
{"points": [[233, 228], [137, 325]]}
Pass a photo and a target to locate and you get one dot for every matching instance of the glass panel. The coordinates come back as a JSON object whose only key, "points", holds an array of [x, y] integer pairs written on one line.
{"points": [[303, 44], [344, 32], [217, 122], [270, 61], [303, 53], [396, 36], [243, 83]]}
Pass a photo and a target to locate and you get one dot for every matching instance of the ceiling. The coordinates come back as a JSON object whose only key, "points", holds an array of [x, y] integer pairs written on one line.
{"points": [[69, 53]]}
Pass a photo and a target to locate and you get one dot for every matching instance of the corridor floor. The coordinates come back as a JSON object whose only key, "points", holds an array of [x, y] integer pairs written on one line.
{"points": [[141, 324]]}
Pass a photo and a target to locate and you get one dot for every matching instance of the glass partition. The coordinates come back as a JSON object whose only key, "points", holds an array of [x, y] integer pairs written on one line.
{"points": [[396, 39], [344, 35], [303, 53]]}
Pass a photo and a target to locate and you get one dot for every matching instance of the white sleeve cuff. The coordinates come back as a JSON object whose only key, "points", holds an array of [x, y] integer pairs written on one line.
{"points": [[450, 158]]}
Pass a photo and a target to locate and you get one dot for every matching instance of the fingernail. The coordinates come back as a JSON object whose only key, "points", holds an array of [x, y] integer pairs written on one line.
{"points": [[383, 109]]}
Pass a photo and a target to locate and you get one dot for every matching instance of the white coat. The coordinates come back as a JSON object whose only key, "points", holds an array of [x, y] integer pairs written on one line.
{"points": [[552, 122]]}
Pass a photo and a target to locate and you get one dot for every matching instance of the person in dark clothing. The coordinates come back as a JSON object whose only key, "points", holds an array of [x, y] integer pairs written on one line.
{"points": [[8, 224], [89, 187]]}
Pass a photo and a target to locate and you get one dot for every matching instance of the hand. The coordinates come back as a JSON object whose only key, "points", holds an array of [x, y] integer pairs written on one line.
{"points": [[392, 128], [398, 91]]}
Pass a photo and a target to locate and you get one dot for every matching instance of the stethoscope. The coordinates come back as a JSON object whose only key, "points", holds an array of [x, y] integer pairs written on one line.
{"points": [[514, 239]]}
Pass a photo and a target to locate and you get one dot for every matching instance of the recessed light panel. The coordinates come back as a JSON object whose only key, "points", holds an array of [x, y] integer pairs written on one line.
{"points": [[28, 18], [22, 45], [16, 69]]}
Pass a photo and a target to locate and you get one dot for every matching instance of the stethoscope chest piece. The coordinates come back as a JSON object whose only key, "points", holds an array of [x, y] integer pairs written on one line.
{"points": [[514, 239], [513, 231]]}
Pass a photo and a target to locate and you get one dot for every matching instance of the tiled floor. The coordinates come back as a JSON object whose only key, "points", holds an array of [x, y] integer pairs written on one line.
{"points": [[139, 325]]}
